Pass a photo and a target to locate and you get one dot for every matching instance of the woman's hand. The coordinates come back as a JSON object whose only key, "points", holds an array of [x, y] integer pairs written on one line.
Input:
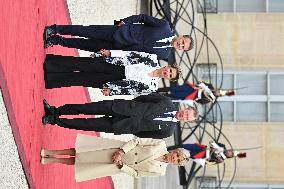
{"points": [[105, 53], [105, 91], [121, 23], [116, 157]]}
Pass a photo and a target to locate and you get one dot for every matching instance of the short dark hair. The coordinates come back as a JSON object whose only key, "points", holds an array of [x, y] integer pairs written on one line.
{"points": [[179, 73], [191, 42]]}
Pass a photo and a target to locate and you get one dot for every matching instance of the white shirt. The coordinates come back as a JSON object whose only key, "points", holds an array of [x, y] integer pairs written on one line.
{"points": [[123, 55], [168, 39], [139, 73], [135, 70], [165, 40], [186, 102], [173, 119]]}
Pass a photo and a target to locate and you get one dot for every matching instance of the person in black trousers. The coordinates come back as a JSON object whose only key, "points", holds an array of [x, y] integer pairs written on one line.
{"points": [[125, 73], [147, 116], [151, 35], [66, 71]]}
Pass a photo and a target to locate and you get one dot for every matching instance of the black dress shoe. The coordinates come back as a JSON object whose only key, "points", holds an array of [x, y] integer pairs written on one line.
{"points": [[48, 120], [48, 110], [48, 31], [48, 43], [53, 40]]}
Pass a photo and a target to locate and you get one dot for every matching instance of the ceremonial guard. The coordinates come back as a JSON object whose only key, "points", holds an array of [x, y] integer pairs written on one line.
{"points": [[214, 154], [201, 93]]}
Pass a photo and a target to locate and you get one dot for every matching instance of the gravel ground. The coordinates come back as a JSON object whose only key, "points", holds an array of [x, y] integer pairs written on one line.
{"points": [[11, 174]]}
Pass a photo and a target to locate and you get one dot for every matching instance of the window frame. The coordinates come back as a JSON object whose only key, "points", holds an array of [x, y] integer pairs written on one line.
{"points": [[268, 98], [267, 8], [253, 186]]}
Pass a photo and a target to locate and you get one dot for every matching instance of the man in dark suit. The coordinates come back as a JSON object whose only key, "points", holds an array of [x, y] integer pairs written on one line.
{"points": [[149, 116], [135, 33]]}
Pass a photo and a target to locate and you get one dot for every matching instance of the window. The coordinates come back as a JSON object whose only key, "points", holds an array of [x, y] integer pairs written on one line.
{"points": [[214, 6], [250, 6], [254, 186], [208, 6], [259, 97]]}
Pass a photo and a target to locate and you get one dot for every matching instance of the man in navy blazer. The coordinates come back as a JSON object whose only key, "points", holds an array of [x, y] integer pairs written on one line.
{"points": [[135, 33]]}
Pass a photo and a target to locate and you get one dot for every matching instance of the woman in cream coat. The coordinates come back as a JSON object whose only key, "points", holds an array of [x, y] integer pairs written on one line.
{"points": [[96, 157]]}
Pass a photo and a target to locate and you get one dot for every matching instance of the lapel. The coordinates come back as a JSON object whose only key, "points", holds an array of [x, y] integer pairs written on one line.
{"points": [[161, 46], [165, 107]]}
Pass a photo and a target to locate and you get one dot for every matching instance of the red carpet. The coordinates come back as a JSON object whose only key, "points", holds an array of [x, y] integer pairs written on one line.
{"points": [[21, 78]]}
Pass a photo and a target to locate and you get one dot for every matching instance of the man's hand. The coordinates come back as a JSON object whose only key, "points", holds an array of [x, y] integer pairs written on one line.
{"points": [[105, 91], [120, 23], [93, 55], [105, 53]]}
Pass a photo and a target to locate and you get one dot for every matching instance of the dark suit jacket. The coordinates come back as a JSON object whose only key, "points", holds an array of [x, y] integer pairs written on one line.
{"points": [[140, 112], [142, 37]]}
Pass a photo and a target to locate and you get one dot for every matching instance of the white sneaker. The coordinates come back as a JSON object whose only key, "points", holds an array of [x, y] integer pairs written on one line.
{"points": [[43, 161], [43, 153]]}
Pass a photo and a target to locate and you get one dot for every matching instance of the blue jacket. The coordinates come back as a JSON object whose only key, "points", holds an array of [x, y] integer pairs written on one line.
{"points": [[142, 37]]}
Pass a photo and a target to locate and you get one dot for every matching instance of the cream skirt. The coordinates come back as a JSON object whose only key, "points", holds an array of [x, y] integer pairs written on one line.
{"points": [[92, 162]]}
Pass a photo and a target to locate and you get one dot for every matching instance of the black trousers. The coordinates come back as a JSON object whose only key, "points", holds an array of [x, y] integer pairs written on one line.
{"points": [[66, 71], [98, 37], [103, 124]]}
